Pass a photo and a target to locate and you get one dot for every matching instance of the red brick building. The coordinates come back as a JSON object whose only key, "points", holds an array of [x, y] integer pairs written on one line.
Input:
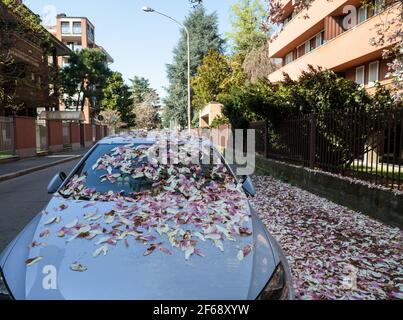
{"points": [[77, 33], [30, 77]]}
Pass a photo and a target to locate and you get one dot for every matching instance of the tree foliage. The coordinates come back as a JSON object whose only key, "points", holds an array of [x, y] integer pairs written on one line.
{"points": [[17, 20], [340, 106], [211, 74], [257, 63], [116, 96], [147, 116], [204, 36], [84, 78], [195, 3], [247, 17], [112, 119], [139, 89]]}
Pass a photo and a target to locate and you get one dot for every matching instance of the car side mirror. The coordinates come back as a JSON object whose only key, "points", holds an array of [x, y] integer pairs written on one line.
{"points": [[56, 182], [248, 187]]}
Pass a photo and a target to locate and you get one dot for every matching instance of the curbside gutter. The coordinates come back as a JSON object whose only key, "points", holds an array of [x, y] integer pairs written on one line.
{"points": [[24, 172]]}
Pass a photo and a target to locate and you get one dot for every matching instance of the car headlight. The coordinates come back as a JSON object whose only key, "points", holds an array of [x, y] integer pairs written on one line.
{"points": [[4, 292], [278, 287]]}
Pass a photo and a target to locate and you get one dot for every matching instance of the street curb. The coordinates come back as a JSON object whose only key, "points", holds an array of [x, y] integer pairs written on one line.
{"points": [[24, 172]]}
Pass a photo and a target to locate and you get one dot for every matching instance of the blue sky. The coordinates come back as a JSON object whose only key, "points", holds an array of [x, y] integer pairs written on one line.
{"points": [[141, 43]]}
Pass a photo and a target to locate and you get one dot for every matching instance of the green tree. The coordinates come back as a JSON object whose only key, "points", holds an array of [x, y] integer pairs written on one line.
{"points": [[235, 102], [247, 17], [139, 89], [195, 3], [116, 96], [204, 33], [84, 78], [211, 74], [16, 21]]}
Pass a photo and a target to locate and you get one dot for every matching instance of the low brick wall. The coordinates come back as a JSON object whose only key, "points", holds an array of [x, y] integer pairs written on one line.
{"points": [[55, 135], [380, 204], [25, 136], [88, 135], [99, 135], [75, 136]]}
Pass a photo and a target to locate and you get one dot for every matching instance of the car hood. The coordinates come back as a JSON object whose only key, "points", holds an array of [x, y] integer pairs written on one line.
{"points": [[125, 272]]}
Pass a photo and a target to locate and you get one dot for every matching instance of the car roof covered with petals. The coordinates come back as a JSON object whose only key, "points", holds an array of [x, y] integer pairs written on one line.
{"points": [[151, 137], [126, 139]]}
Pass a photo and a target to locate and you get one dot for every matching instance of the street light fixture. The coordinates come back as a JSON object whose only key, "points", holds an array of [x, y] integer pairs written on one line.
{"points": [[148, 9]]}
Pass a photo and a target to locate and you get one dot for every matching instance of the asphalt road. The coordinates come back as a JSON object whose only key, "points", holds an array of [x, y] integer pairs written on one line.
{"points": [[24, 197]]}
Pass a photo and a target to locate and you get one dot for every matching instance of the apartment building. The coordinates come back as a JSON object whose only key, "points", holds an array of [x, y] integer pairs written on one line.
{"points": [[77, 33], [335, 36], [29, 78]]}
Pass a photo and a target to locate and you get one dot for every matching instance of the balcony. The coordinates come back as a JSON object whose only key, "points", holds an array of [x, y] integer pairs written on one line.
{"points": [[299, 28], [344, 51]]}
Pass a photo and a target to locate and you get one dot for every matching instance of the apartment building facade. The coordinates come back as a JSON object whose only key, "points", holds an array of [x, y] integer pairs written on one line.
{"points": [[29, 79], [76, 33], [336, 36]]}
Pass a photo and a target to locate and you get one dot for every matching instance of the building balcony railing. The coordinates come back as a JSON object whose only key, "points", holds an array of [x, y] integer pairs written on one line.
{"points": [[342, 52]]}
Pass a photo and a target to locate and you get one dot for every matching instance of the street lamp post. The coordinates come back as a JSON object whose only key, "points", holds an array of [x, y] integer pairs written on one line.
{"points": [[148, 9]]}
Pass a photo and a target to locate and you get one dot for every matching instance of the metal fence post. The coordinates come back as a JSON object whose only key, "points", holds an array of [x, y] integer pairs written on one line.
{"points": [[266, 139], [312, 141]]}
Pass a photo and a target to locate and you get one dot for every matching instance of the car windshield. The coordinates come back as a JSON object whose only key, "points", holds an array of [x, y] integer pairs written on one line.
{"points": [[103, 181], [128, 170]]}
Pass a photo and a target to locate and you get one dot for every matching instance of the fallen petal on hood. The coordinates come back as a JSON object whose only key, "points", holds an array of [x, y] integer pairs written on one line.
{"points": [[52, 221], [78, 267], [103, 250], [32, 261]]}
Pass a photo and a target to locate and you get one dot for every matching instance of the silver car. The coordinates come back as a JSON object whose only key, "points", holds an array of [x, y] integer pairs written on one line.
{"points": [[102, 237]]}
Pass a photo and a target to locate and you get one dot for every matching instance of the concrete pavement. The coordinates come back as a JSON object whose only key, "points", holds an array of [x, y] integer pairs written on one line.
{"points": [[18, 168], [23, 197]]}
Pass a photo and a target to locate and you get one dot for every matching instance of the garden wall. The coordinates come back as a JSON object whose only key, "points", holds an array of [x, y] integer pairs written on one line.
{"points": [[382, 205]]}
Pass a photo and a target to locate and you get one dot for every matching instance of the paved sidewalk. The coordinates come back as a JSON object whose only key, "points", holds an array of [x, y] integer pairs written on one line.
{"points": [[333, 252], [17, 168]]}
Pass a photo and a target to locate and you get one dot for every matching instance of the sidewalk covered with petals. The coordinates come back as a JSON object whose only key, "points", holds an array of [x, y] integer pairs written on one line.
{"points": [[333, 252]]}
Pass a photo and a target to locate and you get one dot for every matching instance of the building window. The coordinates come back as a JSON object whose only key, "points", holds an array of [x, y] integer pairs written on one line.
{"points": [[319, 39], [65, 61], [65, 27], [373, 73], [307, 47], [32, 76], [360, 75], [362, 14], [289, 58], [300, 51], [90, 32], [39, 80], [77, 27]]}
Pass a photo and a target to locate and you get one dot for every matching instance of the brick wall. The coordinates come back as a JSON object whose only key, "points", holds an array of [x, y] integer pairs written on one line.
{"points": [[25, 136], [55, 128], [88, 135]]}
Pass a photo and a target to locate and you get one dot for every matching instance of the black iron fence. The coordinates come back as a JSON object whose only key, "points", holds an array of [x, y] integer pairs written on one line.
{"points": [[6, 136], [363, 145]]}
